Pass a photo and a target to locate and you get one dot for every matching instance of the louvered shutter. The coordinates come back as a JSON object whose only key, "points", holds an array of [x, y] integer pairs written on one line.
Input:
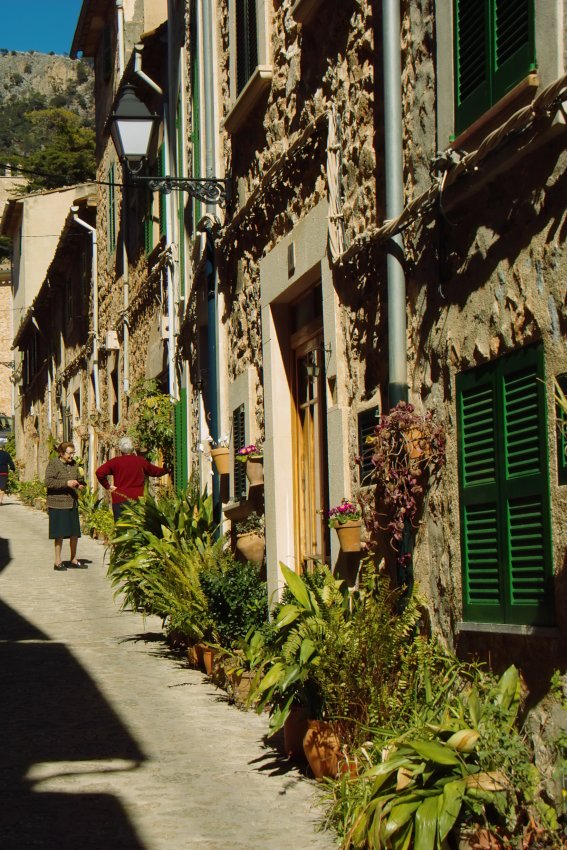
{"points": [[482, 583], [180, 440], [149, 223], [513, 47], [494, 45], [472, 61], [162, 195], [246, 42], [525, 486], [180, 200], [504, 491], [239, 441]]}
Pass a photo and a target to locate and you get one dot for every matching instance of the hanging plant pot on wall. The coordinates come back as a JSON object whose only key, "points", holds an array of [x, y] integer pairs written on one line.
{"points": [[349, 535], [221, 458], [255, 470], [251, 546]]}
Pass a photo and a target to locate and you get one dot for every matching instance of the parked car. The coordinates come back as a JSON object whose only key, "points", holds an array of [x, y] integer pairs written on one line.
{"points": [[6, 428]]}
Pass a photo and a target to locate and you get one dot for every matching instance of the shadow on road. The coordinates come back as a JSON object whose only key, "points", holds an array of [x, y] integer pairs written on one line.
{"points": [[52, 712]]}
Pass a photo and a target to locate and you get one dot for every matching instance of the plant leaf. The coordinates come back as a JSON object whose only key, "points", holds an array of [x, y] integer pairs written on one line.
{"points": [[435, 752], [464, 740], [453, 793], [297, 587], [426, 823]]}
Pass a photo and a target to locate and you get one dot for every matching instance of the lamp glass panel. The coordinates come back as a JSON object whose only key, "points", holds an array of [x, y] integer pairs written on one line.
{"points": [[135, 136]]}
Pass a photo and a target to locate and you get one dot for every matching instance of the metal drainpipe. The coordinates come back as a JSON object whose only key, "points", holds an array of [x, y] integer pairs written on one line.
{"points": [[94, 281], [168, 222], [120, 36], [212, 277], [397, 347]]}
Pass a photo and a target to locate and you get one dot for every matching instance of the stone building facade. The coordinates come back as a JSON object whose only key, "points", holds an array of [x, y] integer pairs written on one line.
{"points": [[303, 333]]}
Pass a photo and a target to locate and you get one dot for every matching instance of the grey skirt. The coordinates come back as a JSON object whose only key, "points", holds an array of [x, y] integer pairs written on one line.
{"points": [[64, 522]]}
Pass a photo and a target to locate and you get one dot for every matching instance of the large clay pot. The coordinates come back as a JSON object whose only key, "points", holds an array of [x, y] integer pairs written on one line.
{"points": [[208, 659], [241, 687], [295, 729], [251, 546], [192, 656], [349, 535], [255, 470], [221, 458], [322, 749]]}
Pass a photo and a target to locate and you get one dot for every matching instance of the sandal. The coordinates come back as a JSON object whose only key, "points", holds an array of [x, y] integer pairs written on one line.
{"points": [[59, 567], [78, 565]]}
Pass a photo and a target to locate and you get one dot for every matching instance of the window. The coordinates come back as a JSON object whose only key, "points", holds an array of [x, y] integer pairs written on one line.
{"points": [[162, 195], [114, 397], [249, 58], [504, 491], [149, 223], [494, 51], [246, 42], [238, 442], [111, 224]]}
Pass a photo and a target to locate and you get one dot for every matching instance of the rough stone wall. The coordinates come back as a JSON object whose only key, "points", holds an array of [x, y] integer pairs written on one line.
{"points": [[310, 75], [497, 285]]}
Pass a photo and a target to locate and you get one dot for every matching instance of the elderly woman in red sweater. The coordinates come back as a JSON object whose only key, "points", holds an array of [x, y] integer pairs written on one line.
{"points": [[129, 472]]}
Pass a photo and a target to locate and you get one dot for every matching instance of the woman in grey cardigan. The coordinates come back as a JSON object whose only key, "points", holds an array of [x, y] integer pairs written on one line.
{"points": [[63, 485]]}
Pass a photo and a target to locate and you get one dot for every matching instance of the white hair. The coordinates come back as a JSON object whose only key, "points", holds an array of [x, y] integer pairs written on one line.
{"points": [[126, 446]]}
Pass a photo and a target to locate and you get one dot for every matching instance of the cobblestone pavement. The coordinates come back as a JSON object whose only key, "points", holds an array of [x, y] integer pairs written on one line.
{"points": [[108, 741]]}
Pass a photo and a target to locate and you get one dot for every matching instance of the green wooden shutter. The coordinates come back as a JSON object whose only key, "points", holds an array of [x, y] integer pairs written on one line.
{"points": [[482, 588], [195, 116], [513, 44], [246, 42], [149, 223], [472, 61], [238, 442], [162, 195], [180, 199], [504, 491], [494, 50], [180, 441]]}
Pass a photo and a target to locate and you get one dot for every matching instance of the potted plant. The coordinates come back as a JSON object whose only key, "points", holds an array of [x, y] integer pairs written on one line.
{"points": [[250, 540], [220, 454], [253, 457], [346, 520]]}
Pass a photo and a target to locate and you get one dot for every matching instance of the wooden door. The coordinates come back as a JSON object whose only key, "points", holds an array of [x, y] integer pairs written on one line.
{"points": [[310, 450]]}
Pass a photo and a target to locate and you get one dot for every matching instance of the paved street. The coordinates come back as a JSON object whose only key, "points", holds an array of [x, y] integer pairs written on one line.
{"points": [[110, 742]]}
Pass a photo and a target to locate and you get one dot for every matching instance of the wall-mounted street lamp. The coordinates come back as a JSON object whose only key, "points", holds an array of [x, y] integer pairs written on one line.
{"points": [[132, 127]]}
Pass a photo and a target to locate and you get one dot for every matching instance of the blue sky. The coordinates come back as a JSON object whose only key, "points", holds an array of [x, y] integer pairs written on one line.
{"points": [[40, 25]]}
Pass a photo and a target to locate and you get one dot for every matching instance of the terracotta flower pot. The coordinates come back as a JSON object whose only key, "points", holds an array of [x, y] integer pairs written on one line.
{"points": [[255, 470], [241, 686], [221, 458], [349, 535], [251, 546], [322, 749], [192, 656], [208, 659]]}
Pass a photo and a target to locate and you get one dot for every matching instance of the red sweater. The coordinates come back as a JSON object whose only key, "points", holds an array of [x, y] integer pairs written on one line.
{"points": [[129, 474]]}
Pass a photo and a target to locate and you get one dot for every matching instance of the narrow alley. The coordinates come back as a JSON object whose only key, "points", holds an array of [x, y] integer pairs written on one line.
{"points": [[110, 742]]}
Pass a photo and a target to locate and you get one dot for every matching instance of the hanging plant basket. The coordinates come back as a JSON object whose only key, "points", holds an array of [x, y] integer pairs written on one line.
{"points": [[350, 535], [221, 458], [251, 546], [255, 470]]}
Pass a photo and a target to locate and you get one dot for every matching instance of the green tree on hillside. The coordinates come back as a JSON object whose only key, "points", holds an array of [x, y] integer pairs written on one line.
{"points": [[64, 152]]}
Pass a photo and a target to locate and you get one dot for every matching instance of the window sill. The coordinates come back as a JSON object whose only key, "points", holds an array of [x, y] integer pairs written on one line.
{"points": [[304, 10], [520, 95], [258, 83], [509, 629]]}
